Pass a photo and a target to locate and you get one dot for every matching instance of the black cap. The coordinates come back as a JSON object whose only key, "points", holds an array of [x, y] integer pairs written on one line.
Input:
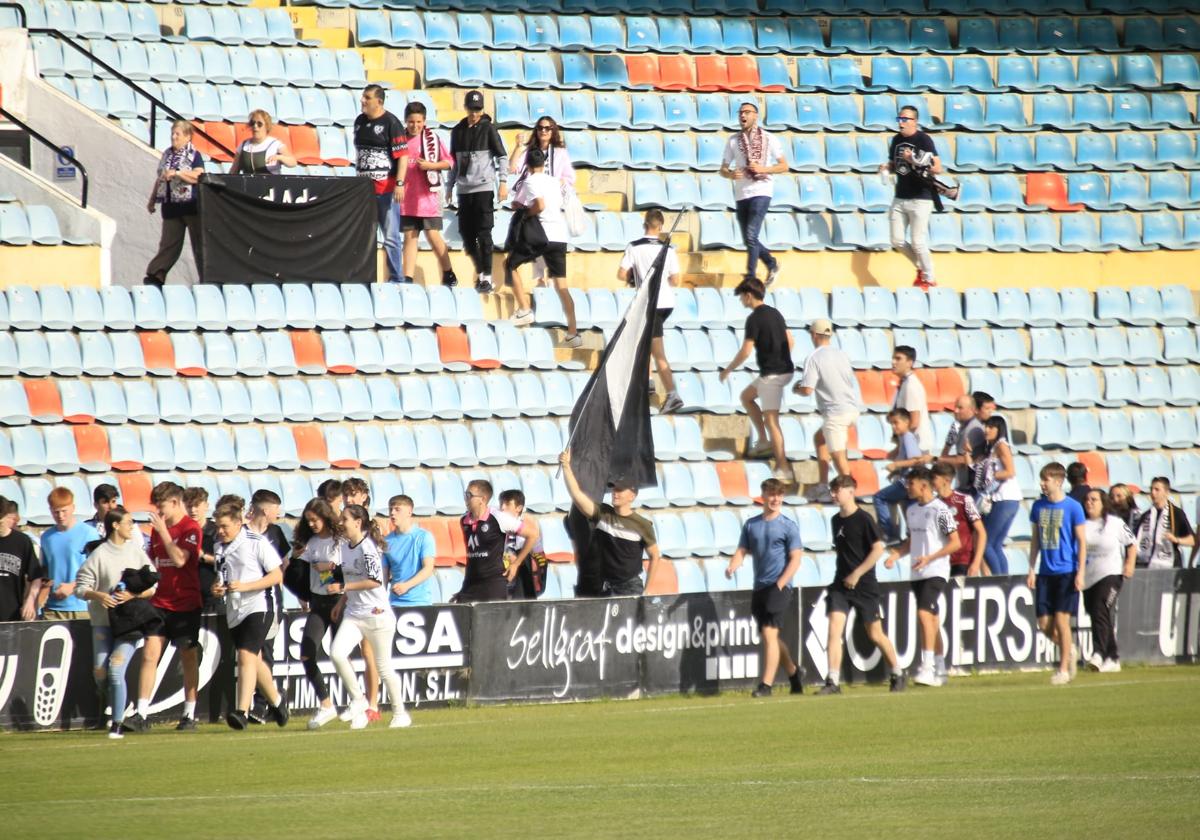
{"points": [[474, 101], [622, 484]]}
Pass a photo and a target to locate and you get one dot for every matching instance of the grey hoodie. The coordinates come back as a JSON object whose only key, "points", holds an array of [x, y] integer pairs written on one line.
{"points": [[478, 154], [102, 571]]}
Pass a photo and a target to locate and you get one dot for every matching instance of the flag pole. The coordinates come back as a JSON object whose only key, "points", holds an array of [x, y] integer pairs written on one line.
{"points": [[667, 244]]}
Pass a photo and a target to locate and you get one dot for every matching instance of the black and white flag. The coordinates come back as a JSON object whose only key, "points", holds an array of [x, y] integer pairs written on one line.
{"points": [[610, 425]]}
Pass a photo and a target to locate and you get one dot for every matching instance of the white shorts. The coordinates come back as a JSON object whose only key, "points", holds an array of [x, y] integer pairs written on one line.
{"points": [[770, 390], [836, 430]]}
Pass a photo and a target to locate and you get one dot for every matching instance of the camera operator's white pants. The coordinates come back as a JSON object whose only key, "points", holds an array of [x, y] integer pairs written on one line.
{"points": [[913, 213]]}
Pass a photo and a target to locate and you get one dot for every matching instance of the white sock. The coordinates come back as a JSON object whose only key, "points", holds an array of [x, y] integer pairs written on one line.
{"points": [[940, 662], [143, 706], [189, 708], [835, 677], [926, 659], [896, 671]]}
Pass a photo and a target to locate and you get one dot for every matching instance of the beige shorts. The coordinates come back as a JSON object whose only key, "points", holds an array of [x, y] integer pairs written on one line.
{"points": [[770, 390], [836, 430]]}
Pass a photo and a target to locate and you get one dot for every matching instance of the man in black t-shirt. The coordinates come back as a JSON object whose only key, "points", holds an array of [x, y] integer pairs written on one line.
{"points": [[768, 338], [859, 545], [911, 150], [486, 532], [19, 568], [380, 153]]}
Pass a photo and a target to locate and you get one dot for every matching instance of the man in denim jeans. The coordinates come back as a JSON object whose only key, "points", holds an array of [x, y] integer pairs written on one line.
{"points": [[751, 157], [913, 203]]}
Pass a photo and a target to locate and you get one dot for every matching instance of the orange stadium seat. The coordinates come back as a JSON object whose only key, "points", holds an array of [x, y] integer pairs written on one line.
{"points": [[45, 405], [305, 145], [6, 469], [643, 70], [933, 395], [852, 439], [310, 446], [1048, 189], [864, 473], [135, 492], [91, 442], [891, 384], [665, 581], [676, 72], [732, 475], [310, 352], [241, 132], [453, 346], [870, 383], [219, 131], [482, 362], [159, 353], [457, 541], [950, 385], [712, 73], [743, 72], [126, 466], [1096, 467]]}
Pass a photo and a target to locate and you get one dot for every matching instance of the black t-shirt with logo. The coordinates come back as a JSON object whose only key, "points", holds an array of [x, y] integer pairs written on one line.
{"points": [[18, 563], [853, 538], [485, 546], [378, 144], [768, 330], [908, 183]]}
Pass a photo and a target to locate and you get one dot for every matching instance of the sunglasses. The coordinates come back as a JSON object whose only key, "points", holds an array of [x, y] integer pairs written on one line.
{"points": [[545, 128], [257, 124], [468, 495], [904, 119]]}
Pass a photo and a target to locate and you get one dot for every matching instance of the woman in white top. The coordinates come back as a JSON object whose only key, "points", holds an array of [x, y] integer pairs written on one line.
{"points": [[261, 153], [539, 194], [318, 542], [365, 613], [1111, 555], [547, 138], [98, 582], [247, 569], [997, 493]]}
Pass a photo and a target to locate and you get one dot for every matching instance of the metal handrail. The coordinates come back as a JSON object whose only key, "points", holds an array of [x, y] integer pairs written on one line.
{"points": [[155, 102], [58, 150]]}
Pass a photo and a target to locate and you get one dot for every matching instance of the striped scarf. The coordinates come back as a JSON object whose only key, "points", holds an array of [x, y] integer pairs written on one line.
{"points": [[429, 152], [754, 150], [175, 159]]}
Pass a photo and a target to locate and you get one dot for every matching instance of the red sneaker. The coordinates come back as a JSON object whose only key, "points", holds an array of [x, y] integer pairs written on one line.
{"points": [[372, 716], [921, 282]]}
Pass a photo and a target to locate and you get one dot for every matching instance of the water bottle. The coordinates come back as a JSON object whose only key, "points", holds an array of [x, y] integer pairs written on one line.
{"points": [[233, 599], [885, 177]]}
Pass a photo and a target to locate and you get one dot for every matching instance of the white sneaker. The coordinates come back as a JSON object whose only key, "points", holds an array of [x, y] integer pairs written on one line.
{"points": [[322, 717], [360, 721], [1060, 678], [926, 676], [942, 675], [400, 720], [956, 672], [573, 341], [1110, 666], [1074, 667], [1095, 661], [671, 404], [356, 708], [522, 317], [115, 734]]}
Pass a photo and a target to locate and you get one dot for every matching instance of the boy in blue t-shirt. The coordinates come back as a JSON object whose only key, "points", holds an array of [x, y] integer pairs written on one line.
{"points": [[64, 548], [1058, 548], [904, 457], [410, 555], [773, 542]]}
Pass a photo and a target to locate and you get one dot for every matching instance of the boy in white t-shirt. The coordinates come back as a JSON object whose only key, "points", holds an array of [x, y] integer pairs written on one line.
{"points": [[911, 395], [635, 269], [932, 538]]}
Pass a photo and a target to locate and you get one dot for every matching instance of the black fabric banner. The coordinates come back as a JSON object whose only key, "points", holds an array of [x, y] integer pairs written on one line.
{"points": [[276, 228]]}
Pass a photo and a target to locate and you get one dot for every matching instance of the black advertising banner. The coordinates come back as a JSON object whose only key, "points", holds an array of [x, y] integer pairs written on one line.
{"points": [[1158, 616], [702, 642], [552, 650], [46, 677], [275, 228]]}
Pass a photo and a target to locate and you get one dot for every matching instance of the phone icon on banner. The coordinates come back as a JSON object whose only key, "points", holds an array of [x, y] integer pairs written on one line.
{"points": [[54, 663]]}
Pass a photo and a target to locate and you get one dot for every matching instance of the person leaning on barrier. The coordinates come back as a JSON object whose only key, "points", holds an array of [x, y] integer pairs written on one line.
{"points": [[179, 170], [260, 153]]}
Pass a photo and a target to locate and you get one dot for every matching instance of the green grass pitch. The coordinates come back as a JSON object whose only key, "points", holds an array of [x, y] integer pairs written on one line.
{"points": [[1111, 756]]}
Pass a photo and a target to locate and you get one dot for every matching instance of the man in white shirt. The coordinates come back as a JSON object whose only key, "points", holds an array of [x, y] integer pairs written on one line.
{"points": [[829, 374], [635, 269], [752, 156], [932, 539], [911, 395]]}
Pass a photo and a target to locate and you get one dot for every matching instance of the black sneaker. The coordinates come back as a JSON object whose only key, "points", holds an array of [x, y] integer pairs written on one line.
{"points": [[236, 719], [898, 683], [484, 287], [830, 687], [797, 681], [186, 724], [137, 723], [763, 690], [448, 279], [280, 713], [258, 714]]}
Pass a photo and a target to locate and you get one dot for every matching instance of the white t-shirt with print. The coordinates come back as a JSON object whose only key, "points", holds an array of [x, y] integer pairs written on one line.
{"points": [[248, 558], [735, 158], [549, 189], [1107, 540], [321, 550], [930, 527], [362, 562]]}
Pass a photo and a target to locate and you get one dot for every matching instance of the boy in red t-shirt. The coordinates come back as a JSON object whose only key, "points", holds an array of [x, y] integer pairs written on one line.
{"points": [[968, 560], [175, 546]]}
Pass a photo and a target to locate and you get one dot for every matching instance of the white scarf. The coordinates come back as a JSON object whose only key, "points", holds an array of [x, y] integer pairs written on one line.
{"points": [[1153, 548], [429, 152]]}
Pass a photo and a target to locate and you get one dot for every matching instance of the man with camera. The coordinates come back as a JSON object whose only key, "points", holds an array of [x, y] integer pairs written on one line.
{"points": [[912, 157]]}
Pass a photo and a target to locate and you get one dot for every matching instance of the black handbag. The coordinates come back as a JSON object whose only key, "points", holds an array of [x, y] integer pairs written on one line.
{"points": [[296, 579]]}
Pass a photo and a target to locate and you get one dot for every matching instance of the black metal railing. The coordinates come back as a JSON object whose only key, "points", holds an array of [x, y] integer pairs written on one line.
{"points": [[156, 104], [62, 153]]}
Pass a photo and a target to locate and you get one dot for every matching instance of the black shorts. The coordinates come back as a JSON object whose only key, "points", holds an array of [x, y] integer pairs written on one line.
{"points": [[182, 629], [928, 590], [865, 602], [958, 571], [251, 633], [769, 606], [660, 318], [555, 256], [1057, 594], [420, 223]]}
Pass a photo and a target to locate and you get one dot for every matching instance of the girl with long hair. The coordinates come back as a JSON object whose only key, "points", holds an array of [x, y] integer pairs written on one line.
{"points": [[318, 542], [998, 495]]}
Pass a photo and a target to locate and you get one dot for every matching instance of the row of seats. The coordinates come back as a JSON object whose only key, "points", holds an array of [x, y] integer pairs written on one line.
{"points": [[1077, 387], [738, 36], [204, 63], [965, 232], [328, 306], [1114, 429], [33, 224]]}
